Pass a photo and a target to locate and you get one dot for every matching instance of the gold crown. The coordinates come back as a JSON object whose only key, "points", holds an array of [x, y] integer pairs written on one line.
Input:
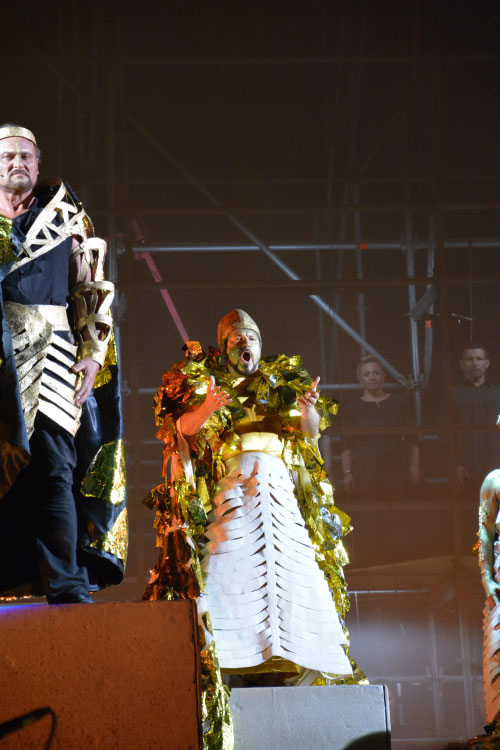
{"points": [[11, 131]]}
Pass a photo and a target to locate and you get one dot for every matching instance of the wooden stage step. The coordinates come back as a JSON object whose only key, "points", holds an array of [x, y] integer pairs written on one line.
{"points": [[117, 675]]}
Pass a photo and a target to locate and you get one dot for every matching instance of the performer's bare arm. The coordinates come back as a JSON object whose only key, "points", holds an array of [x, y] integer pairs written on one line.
{"points": [[192, 421], [490, 495], [309, 417]]}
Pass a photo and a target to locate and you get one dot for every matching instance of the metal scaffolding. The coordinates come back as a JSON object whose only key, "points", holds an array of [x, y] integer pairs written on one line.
{"points": [[374, 249]]}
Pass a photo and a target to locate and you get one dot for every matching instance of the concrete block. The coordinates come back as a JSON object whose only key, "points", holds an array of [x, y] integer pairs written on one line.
{"points": [[117, 675], [344, 717]]}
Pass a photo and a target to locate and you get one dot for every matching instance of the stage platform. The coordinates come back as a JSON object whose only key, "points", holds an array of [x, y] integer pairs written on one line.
{"points": [[124, 675], [344, 717], [117, 676]]}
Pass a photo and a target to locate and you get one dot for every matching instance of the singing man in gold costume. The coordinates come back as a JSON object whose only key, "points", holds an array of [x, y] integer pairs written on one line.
{"points": [[62, 501], [246, 519]]}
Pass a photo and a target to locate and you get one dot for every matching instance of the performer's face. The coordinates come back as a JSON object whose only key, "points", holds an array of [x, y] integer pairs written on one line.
{"points": [[371, 376], [474, 364], [243, 350], [18, 165]]}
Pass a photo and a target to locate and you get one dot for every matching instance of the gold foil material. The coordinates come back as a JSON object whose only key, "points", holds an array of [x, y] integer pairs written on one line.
{"points": [[217, 726], [274, 664], [194, 349], [178, 575], [105, 478], [104, 375], [116, 540], [181, 510], [7, 254], [14, 459], [358, 677], [14, 131]]}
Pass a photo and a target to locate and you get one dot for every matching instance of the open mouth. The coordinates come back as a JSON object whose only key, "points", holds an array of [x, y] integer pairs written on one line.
{"points": [[246, 357]]}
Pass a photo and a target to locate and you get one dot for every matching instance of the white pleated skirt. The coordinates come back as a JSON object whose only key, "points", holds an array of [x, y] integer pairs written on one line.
{"points": [[266, 595]]}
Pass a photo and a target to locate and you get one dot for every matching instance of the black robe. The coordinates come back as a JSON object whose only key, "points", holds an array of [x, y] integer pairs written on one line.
{"points": [[45, 281]]}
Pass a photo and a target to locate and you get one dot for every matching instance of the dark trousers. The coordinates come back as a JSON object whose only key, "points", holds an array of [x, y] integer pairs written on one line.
{"points": [[38, 522]]}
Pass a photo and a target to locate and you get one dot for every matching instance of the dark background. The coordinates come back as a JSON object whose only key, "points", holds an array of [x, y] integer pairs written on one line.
{"points": [[363, 136]]}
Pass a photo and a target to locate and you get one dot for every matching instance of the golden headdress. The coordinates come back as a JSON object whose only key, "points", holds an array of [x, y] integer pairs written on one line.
{"points": [[235, 320], [11, 131]]}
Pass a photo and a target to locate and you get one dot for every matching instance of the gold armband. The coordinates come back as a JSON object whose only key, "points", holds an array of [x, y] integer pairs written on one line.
{"points": [[96, 297], [90, 254], [92, 297]]}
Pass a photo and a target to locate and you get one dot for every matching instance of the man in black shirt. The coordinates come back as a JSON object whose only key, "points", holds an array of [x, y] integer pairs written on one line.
{"points": [[476, 408]]}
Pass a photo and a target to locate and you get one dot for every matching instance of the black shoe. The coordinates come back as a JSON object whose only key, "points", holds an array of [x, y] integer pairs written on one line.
{"points": [[70, 598]]}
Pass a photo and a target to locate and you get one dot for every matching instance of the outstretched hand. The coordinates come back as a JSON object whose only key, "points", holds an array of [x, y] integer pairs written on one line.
{"points": [[309, 418], [89, 369], [192, 421], [215, 399], [310, 397]]}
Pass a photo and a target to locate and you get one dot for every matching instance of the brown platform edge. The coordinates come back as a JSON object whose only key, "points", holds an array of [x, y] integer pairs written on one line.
{"points": [[112, 672]]}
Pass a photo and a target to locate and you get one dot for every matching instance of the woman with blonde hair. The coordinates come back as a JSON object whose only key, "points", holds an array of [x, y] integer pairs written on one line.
{"points": [[380, 457]]}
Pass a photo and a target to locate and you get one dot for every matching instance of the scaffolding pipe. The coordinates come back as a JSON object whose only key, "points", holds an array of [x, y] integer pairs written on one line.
{"points": [[410, 271], [428, 330], [284, 267], [415, 350], [309, 284], [359, 265], [359, 339], [313, 246]]}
